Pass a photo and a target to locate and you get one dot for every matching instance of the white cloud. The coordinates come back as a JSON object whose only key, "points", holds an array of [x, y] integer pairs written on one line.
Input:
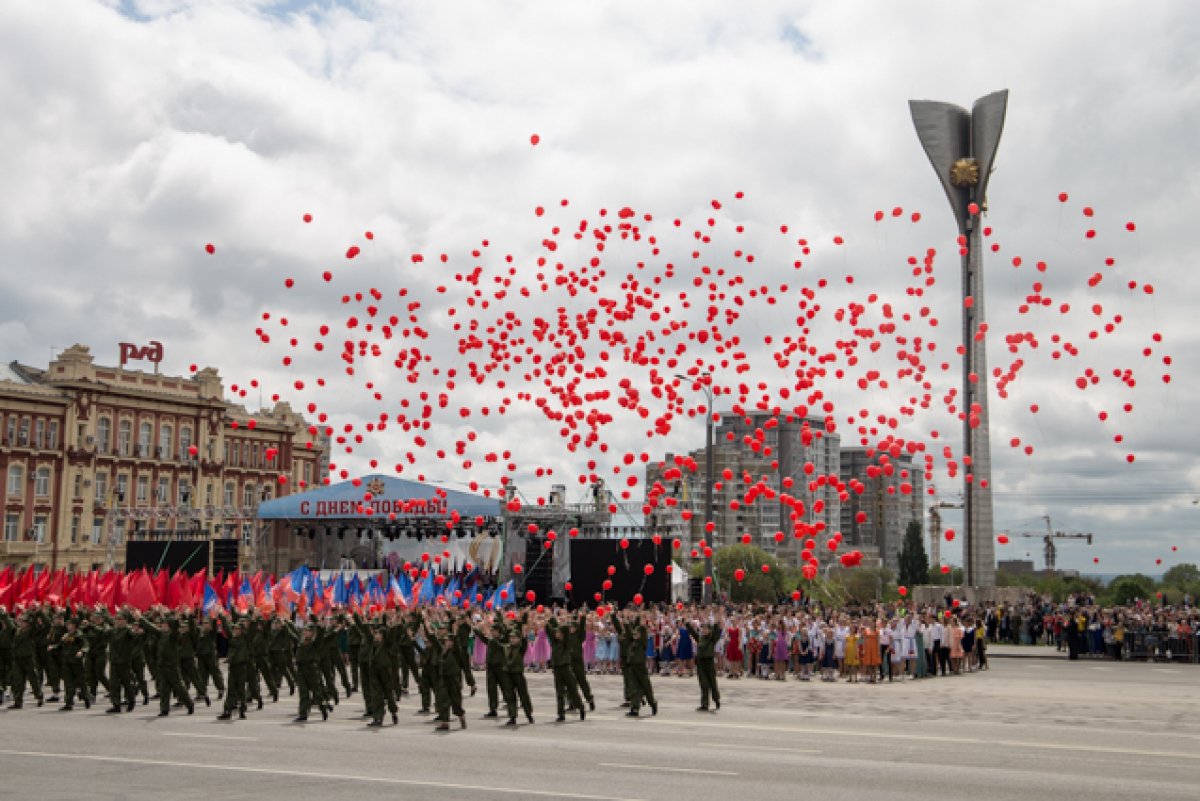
{"points": [[132, 139]]}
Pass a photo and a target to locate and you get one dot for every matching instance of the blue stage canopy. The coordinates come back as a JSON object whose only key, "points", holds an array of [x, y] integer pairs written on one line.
{"points": [[379, 497]]}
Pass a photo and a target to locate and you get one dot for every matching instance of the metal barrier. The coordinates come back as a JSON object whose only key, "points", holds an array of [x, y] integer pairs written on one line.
{"points": [[1157, 646]]}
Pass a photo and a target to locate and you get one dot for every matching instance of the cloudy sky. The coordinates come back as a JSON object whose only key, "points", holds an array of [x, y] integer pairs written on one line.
{"points": [[136, 133]]}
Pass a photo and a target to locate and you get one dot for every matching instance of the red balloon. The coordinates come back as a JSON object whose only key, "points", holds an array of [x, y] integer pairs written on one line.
{"points": [[648, 570], [518, 569], [530, 596], [949, 535], [624, 544], [637, 598], [739, 575], [945, 569], [902, 590], [607, 585], [534, 139], [210, 248]]}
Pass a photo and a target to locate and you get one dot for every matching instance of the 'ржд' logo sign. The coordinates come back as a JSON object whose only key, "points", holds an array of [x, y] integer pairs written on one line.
{"points": [[152, 352]]}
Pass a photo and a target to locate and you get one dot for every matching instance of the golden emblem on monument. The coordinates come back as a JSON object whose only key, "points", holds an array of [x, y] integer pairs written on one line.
{"points": [[964, 172]]}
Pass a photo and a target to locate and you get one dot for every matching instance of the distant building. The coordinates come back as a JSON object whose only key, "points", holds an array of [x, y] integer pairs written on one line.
{"points": [[754, 450], [892, 499], [1016, 567], [92, 456]]}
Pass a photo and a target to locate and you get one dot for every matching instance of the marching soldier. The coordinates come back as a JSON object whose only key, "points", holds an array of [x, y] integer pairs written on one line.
{"points": [[24, 664], [565, 688], [706, 668], [239, 668], [71, 650], [120, 659], [635, 660], [308, 675], [279, 648], [168, 668], [576, 632], [208, 664]]}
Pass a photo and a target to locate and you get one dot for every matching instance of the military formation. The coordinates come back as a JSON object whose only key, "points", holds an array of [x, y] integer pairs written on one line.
{"points": [[174, 656]]}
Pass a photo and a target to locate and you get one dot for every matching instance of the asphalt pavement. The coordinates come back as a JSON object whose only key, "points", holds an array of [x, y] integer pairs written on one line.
{"points": [[1026, 729]]}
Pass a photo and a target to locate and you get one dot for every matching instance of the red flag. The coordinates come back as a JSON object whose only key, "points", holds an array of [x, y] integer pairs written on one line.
{"points": [[6, 596], [159, 582], [140, 593]]}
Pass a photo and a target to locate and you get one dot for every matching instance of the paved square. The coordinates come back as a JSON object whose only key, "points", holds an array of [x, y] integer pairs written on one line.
{"points": [[1027, 729]]}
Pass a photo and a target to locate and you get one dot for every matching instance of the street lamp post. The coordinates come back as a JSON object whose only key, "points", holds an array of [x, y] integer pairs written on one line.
{"points": [[709, 470]]}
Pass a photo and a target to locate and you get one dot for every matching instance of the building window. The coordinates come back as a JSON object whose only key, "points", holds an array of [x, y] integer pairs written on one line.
{"points": [[39, 434], [16, 480], [248, 495], [143, 489], [39, 528], [78, 486], [185, 441], [102, 487], [124, 437], [97, 530], [227, 499], [164, 490], [52, 435], [256, 462], [166, 436], [103, 434], [185, 492], [74, 530], [12, 528], [23, 434], [208, 495], [145, 433], [12, 431], [119, 531], [122, 487]]}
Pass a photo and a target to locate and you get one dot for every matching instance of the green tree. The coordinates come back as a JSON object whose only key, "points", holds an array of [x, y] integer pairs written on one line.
{"points": [[1182, 576], [914, 563], [755, 584], [866, 584], [1124, 589]]}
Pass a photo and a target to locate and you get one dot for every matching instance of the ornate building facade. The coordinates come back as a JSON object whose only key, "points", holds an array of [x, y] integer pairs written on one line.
{"points": [[94, 456]]}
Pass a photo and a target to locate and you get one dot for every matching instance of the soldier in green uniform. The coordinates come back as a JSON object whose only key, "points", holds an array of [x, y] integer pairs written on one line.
{"points": [[168, 668], [261, 665], [407, 648], [706, 668], [96, 634], [48, 629], [447, 687], [239, 668], [495, 639], [308, 674], [120, 661], [7, 629], [565, 689], [354, 642], [71, 650], [576, 632], [137, 661], [208, 665], [188, 672], [514, 676], [635, 661], [279, 648], [382, 671], [430, 668], [462, 641], [24, 668], [325, 637]]}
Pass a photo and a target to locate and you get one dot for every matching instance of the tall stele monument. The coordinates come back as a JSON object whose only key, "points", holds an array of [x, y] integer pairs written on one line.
{"points": [[961, 145]]}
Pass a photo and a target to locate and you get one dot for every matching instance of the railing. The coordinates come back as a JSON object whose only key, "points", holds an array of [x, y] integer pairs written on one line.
{"points": [[1159, 646]]}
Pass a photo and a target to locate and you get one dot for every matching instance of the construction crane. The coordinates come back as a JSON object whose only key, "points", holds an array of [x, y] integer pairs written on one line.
{"points": [[1049, 536], [935, 529]]}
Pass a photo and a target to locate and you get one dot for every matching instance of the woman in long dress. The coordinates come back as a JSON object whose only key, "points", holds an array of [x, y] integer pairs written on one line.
{"points": [[870, 650], [853, 654], [733, 650], [956, 646]]}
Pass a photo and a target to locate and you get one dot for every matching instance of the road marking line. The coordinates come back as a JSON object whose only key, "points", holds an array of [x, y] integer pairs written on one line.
{"points": [[206, 736], [668, 770], [314, 775], [761, 748], [929, 738]]}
